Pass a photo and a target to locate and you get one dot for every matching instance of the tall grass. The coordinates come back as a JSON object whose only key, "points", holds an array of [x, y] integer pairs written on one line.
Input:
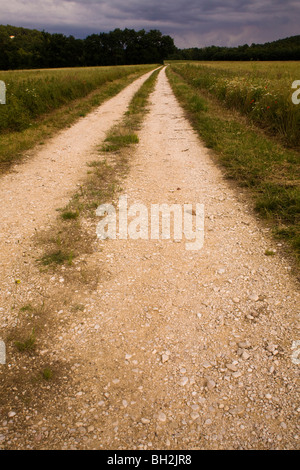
{"points": [[31, 94], [262, 92]]}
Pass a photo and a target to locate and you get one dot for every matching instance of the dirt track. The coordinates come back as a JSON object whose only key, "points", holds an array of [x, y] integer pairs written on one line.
{"points": [[175, 349]]}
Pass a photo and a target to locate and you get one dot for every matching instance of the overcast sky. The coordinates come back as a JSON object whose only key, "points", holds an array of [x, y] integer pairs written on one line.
{"points": [[191, 23]]}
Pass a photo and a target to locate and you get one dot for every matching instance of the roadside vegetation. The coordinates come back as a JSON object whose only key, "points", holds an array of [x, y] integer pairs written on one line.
{"points": [[40, 102], [261, 91], [232, 106]]}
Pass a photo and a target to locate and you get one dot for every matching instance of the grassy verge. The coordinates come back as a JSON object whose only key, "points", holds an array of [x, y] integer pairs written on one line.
{"points": [[124, 133], [34, 128], [261, 92], [254, 160], [68, 239]]}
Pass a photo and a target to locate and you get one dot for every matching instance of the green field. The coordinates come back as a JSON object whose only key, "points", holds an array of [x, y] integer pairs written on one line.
{"points": [[244, 112]]}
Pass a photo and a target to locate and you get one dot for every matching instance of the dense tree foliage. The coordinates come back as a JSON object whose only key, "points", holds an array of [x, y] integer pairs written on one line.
{"points": [[283, 49], [22, 48]]}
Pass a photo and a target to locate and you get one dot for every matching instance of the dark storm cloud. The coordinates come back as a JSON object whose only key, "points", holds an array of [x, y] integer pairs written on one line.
{"points": [[189, 22]]}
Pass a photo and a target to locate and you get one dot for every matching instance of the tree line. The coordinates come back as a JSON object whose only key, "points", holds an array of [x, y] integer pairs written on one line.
{"points": [[22, 48], [283, 49]]}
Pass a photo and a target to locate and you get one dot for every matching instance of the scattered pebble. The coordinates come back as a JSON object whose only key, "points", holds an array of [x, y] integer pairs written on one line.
{"points": [[183, 381], [162, 417]]}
